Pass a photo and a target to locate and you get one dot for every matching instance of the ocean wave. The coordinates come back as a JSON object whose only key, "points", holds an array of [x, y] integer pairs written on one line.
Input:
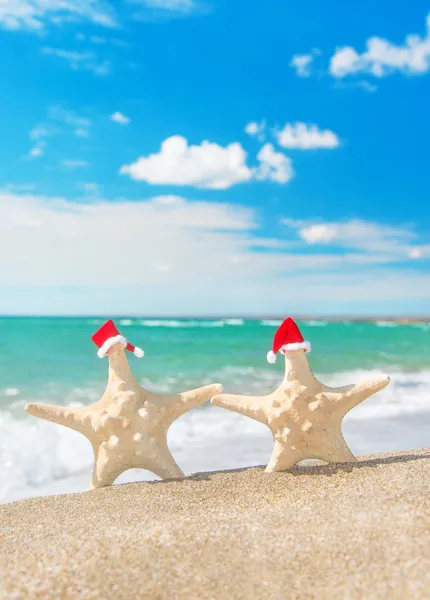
{"points": [[11, 391], [271, 322], [315, 323], [126, 322], [386, 324], [234, 321], [186, 324]]}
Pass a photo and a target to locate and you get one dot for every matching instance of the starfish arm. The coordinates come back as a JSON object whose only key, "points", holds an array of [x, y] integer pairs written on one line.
{"points": [[107, 466], [250, 406], [284, 456], [330, 447], [350, 395], [162, 463], [333, 449], [192, 398], [171, 407], [62, 415]]}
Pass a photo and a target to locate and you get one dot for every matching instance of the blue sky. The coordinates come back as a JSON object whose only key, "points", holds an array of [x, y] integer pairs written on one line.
{"points": [[177, 157]]}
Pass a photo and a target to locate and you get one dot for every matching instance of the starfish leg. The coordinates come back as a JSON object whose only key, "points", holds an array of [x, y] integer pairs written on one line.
{"points": [[196, 397], [284, 456], [160, 462], [107, 467], [350, 395], [334, 449], [62, 415], [250, 406], [168, 469], [172, 406]]}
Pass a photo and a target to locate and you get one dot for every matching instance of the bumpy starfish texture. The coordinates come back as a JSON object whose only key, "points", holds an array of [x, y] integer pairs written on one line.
{"points": [[128, 427], [304, 415]]}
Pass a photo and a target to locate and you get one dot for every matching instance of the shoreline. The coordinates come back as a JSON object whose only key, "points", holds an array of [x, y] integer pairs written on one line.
{"points": [[356, 530]]}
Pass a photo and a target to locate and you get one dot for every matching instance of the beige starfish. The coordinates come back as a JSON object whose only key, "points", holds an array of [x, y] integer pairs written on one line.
{"points": [[304, 415], [128, 426]]}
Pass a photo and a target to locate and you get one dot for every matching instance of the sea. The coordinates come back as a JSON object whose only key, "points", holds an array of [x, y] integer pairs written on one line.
{"points": [[53, 360]]}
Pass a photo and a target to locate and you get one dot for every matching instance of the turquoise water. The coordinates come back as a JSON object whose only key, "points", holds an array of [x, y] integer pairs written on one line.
{"points": [[53, 360]]}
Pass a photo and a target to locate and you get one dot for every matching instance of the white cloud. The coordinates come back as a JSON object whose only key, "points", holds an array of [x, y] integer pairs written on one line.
{"points": [[382, 57], [38, 149], [104, 257], [362, 84], [303, 62], [255, 129], [80, 125], [170, 5], [87, 61], [57, 118], [91, 188], [374, 239], [101, 41], [75, 164], [274, 166], [34, 15], [151, 10], [415, 253], [323, 234], [119, 118], [39, 132], [420, 252], [306, 137], [206, 166]]}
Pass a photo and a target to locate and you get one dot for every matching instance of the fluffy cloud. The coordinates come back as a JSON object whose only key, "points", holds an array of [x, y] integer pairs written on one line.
{"points": [[392, 243], [306, 137], [255, 129], [87, 61], [274, 166], [167, 255], [303, 62], [118, 117], [34, 15], [382, 57], [206, 166]]}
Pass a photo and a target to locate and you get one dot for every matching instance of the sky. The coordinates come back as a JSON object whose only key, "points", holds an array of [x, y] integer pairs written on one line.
{"points": [[208, 157]]}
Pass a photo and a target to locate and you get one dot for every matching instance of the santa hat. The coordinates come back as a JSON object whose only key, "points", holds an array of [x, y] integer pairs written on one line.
{"points": [[107, 336], [288, 337]]}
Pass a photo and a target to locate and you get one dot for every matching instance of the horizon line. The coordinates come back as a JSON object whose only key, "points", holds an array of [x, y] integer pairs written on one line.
{"points": [[319, 317]]}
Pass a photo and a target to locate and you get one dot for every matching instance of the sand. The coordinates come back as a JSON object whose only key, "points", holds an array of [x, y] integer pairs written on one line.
{"points": [[319, 531]]}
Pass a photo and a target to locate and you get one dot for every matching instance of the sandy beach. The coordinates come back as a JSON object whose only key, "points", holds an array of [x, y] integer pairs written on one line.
{"points": [[318, 531]]}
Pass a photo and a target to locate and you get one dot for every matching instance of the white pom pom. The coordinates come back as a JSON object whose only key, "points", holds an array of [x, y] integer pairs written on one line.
{"points": [[271, 357], [138, 352]]}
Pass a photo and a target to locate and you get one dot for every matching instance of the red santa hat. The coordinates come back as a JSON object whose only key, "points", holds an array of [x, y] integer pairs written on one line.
{"points": [[288, 337], [107, 336]]}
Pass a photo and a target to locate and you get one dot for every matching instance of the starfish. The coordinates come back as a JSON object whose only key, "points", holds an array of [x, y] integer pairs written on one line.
{"points": [[304, 415], [128, 427]]}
